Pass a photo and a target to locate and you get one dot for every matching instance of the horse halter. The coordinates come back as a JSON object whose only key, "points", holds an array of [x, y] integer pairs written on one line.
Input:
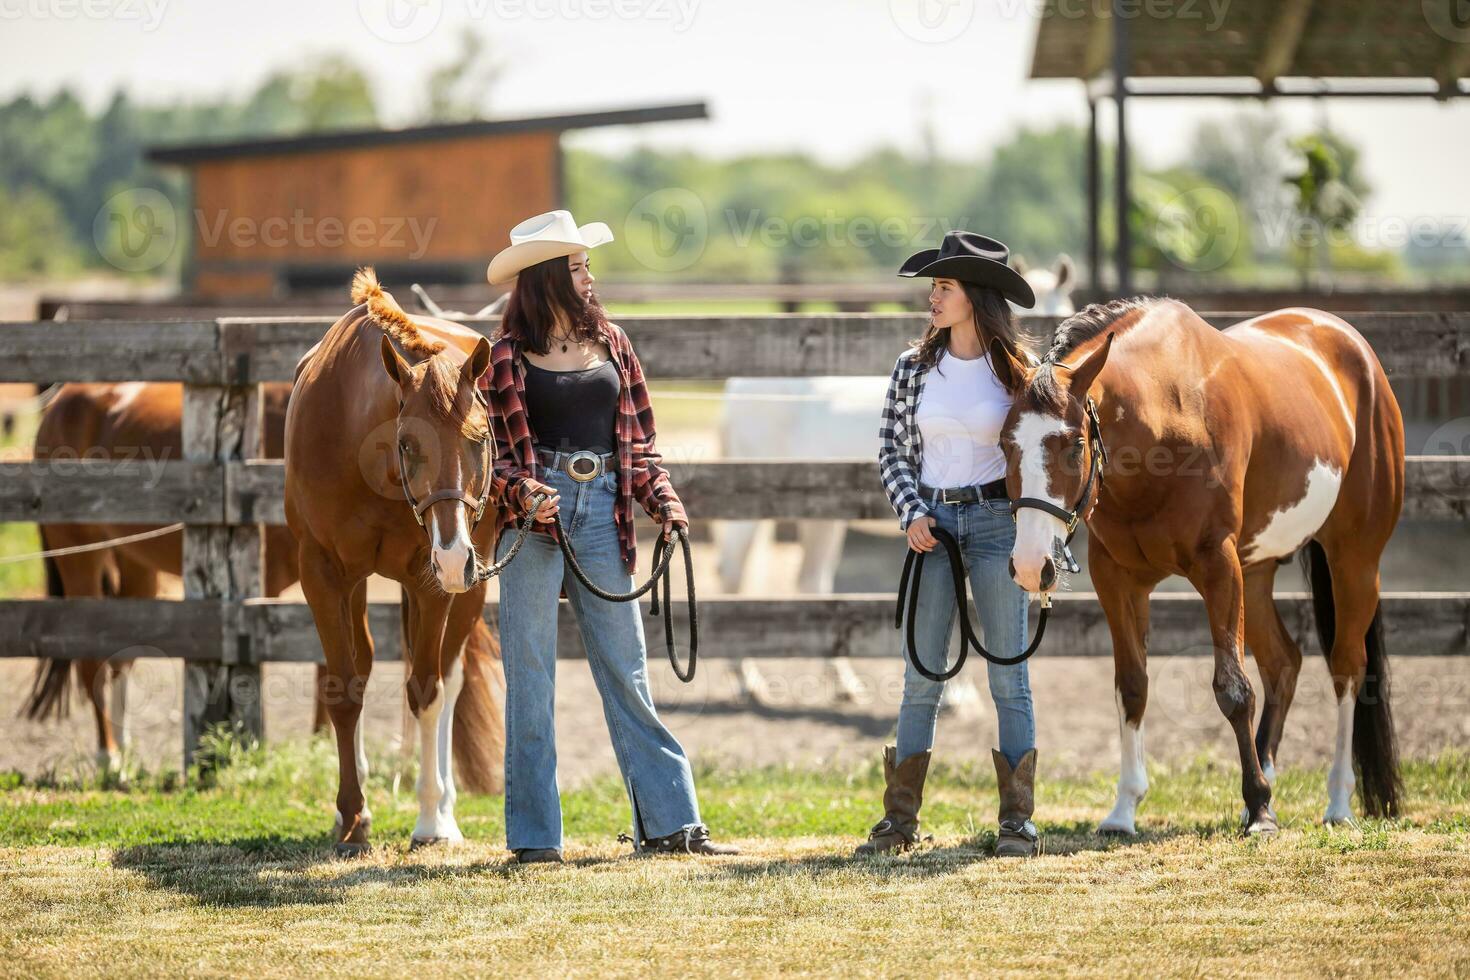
{"points": [[1096, 461], [478, 503]]}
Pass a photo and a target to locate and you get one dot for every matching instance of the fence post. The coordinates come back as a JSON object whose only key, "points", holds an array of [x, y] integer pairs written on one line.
{"points": [[222, 422]]}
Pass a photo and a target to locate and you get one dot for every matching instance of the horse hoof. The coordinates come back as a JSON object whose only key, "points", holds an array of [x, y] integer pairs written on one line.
{"points": [[417, 842], [1118, 832], [351, 849], [1262, 827]]}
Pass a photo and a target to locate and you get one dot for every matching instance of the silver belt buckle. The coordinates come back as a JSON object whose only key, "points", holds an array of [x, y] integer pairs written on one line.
{"points": [[944, 495], [583, 465]]}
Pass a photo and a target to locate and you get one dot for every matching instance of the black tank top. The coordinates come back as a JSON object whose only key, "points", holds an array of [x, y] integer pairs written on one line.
{"points": [[572, 410]]}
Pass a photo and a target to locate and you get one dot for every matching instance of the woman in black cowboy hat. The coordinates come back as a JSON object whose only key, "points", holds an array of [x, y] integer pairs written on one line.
{"points": [[942, 465]]}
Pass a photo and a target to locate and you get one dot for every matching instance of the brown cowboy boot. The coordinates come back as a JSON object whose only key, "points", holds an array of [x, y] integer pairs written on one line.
{"points": [[899, 828], [1018, 836]]}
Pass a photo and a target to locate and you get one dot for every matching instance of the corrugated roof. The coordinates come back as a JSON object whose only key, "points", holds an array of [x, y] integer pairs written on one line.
{"points": [[1259, 39], [196, 152]]}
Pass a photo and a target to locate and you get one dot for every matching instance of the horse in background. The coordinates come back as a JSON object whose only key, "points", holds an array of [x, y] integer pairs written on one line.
{"points": [[128, 421], [388, 472], [1226, 452], [828, 418], [138, 420]]}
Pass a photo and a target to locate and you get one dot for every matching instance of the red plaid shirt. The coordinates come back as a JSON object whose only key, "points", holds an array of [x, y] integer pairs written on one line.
{"points": [[640, 476]]}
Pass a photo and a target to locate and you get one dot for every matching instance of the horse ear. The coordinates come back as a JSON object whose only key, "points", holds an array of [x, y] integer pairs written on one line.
{"points": [[1084, 374], [479, 361], [395, 365], [1018, 262], [1010, 372], [1065, 271]]}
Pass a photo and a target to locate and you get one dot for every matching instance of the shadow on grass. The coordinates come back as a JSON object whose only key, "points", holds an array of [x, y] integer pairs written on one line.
{"points": [[283, 870], [263, 872], [931, 860]]}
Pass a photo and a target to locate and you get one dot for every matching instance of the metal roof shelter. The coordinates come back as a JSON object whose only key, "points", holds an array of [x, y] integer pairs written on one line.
{"points": [[1261, 49]]}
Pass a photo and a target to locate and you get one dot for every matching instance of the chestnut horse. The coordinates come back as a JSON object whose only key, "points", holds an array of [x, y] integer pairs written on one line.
{"points": [[387, 471], [1226, 452], [142, 422], [137, 422]]}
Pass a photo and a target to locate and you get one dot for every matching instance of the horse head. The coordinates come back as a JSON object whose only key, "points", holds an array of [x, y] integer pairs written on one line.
{"points": [[443, 442], [1054, 456], [1052, 286]]}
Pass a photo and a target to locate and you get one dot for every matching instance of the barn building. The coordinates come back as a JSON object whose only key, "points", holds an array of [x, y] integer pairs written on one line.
{"points": [[278, 217]]}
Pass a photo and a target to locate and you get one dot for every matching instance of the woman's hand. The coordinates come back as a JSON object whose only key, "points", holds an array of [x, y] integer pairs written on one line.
{"points": [[531, 488], [920, 537], [674, 525]]}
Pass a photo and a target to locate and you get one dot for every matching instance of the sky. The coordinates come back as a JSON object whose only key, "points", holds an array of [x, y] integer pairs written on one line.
{"points": [[832, 78]]}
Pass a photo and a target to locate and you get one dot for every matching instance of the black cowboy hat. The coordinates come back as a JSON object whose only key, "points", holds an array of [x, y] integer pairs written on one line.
{"points": [[973, 258]]}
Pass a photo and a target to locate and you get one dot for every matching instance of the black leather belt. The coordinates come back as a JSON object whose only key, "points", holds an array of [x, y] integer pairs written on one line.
{"points": [[582, 465], [994, 490]]}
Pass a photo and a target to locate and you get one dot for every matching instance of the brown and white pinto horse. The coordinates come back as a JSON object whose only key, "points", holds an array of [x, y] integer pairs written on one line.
{"points": [[361, 412], [136, 422], [1227, 451]]}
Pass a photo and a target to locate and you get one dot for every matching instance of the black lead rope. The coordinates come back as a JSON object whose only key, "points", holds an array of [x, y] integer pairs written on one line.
{"points": [[662, 555], [913, 566]]}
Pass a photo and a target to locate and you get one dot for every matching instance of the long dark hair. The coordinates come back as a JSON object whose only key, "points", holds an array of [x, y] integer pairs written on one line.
{"points": [[544, 293], [994, 319]]}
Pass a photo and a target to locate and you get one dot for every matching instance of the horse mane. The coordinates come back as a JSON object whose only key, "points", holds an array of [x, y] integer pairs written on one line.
{"points": [[1073, 332], [386, 313], [1092, 320], [450, 400]]}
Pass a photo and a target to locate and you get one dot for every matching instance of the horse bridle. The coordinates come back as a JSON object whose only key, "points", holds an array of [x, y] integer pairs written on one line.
{"points": [[913, 569], [478, 503], [1072, 518]]}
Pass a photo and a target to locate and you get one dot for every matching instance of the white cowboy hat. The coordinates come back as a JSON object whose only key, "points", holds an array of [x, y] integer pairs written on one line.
{"points": [[546, 236]]}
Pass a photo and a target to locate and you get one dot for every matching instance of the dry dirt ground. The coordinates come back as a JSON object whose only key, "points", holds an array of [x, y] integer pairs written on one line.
{"points": [[804, 722]]}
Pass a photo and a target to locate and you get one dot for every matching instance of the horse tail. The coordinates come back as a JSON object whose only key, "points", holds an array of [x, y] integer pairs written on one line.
{"points": [[479, 715], [386, 312], [51, 687], [1375, 749]]}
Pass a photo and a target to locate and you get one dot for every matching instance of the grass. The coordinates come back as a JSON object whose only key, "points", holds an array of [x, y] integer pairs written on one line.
{"points": [[237, 878], [24, 579]]}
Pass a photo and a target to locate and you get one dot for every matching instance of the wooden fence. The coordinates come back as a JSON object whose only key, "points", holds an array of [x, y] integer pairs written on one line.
{"points": [[224, 494]]}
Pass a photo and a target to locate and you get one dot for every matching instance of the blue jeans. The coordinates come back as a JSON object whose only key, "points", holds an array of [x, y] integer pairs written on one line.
{"points": [[986, 534], [654, 767]]}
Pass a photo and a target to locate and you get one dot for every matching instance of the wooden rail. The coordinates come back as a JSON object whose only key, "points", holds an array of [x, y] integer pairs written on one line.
{"points": [[860, 625], [243, 351], [145, 491]]}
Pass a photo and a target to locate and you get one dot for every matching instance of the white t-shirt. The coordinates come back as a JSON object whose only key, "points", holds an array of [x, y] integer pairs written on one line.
{"points": [[960, 414]]}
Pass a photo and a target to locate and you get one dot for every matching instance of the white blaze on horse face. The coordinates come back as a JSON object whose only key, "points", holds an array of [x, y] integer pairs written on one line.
{"points": [[452, 551], [1340, 779], [1036, 530], [1290, 527], [1132, 775]]}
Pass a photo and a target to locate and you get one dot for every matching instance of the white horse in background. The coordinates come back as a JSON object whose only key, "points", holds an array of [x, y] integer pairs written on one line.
{"points": [[827, 418]]}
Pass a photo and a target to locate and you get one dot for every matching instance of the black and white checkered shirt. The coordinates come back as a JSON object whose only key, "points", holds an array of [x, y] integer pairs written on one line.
{"points": [[899, 448]]}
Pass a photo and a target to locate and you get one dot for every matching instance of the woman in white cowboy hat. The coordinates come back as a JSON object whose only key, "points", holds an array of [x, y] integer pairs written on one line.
{"points": [[571, 417], [942, 465]]}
